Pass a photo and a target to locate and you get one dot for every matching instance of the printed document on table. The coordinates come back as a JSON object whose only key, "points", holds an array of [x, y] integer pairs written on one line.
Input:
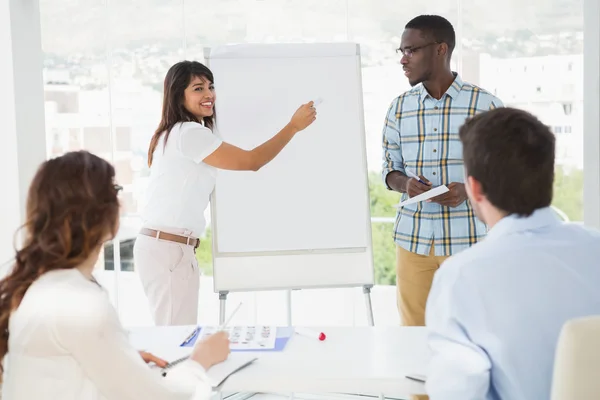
{"points": [[246, 337]]}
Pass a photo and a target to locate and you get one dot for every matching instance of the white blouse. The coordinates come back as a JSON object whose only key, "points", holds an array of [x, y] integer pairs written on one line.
{"points": [[66, 342], [180, 183]]}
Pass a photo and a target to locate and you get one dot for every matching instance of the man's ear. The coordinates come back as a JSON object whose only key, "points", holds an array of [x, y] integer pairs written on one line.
{"points": [[442, 49], [475, 189]]}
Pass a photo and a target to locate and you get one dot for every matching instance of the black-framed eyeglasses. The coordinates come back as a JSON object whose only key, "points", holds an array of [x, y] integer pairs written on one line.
{"points": [[410, 51], [118, 188]]}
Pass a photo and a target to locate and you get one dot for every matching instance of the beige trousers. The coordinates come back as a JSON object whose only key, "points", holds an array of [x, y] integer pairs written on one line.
{"points": [[414, 274], [414, 278], [171, 279]]}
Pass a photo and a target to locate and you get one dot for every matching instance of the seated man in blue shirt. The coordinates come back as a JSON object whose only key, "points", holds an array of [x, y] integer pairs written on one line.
{"points": [[495, 311]]}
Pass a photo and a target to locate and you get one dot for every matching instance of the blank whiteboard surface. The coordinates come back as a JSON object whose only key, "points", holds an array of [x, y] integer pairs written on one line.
{"points": [[313, 197]]}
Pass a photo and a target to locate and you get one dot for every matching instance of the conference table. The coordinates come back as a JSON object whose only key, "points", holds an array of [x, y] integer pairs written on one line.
{"points": [[352, 360]]}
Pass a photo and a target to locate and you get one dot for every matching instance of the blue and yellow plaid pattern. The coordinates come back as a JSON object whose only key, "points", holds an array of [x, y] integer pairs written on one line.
{"points": [[421, 134]]}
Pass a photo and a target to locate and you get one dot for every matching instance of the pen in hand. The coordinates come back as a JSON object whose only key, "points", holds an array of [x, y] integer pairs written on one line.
{"points": [[224, 325], [196, 332], [191, 336], [220, 328], [411, 174]]}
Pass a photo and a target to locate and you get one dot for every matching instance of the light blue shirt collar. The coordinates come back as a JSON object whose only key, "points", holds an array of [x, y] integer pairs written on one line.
{"points": [[453, 91], [542, 217]]}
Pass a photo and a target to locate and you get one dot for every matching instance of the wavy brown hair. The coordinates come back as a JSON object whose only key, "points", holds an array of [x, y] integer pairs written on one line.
{"points": [[72, 207], [178, 78]]}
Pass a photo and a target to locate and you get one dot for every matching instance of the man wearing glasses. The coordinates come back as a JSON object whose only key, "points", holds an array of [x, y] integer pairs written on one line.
{"points": [[421, 150]]}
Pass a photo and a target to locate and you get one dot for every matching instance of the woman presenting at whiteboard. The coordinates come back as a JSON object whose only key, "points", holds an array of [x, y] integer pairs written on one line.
{"points": [[183, 157]]}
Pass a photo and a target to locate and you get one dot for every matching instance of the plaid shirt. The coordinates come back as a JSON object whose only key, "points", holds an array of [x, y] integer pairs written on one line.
{"points": [[421, 134]]}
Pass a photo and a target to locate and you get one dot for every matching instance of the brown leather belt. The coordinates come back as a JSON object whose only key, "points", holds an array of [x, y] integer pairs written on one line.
{"points": [[190, 241]]}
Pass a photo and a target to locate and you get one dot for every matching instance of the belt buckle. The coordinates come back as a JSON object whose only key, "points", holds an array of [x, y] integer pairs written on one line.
{"points": [[195, 244]]}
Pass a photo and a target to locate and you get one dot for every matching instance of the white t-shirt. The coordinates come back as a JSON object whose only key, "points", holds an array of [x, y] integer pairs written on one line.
{"points": [[66, 342], [180, 182]]}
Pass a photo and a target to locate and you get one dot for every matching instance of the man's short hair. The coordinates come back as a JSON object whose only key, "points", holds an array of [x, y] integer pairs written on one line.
{"points": [[436, 27], [511, 154]]}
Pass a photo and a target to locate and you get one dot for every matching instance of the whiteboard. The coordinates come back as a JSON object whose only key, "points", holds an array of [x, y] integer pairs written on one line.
{"points": [[303, 220]]}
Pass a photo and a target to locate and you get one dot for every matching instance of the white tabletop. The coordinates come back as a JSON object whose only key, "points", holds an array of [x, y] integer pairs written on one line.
{"points": [[366, 360]]}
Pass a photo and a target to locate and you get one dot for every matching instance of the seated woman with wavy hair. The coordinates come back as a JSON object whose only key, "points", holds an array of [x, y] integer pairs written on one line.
{"points": [[61, 336]]}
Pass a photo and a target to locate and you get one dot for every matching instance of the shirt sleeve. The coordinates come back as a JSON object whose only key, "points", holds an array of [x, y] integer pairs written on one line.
{"points": [[459, 369], [93, 335], [392, 151], [197, 142]]}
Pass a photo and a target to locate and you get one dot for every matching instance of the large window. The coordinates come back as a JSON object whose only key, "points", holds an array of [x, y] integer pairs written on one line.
{"points": [[104, 63], [535, 63]]}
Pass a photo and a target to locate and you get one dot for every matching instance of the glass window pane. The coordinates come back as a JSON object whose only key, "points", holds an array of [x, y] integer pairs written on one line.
{"points": [[142, 47], [534, 63], [209, 23], [76, 95]]}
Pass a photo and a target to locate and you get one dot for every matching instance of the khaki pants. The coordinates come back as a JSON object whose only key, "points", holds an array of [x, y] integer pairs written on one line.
{"points": [[414, 274], [171, 279]]}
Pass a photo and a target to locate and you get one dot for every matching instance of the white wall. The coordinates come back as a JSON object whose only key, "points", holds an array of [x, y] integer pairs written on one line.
{"points": [[21, 112], [591, 113]]}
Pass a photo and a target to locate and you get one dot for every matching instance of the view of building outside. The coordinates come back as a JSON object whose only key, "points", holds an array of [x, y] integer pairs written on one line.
{"points": [[104, 65]]}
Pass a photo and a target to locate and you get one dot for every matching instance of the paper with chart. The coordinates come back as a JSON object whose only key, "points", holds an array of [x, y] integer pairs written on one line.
{"points": [[436, 191], [246, 337]]}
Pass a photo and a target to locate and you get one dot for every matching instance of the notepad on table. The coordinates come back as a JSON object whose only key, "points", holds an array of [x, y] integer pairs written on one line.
{"points": [[236, 361], [436, 191], [219, 372]]}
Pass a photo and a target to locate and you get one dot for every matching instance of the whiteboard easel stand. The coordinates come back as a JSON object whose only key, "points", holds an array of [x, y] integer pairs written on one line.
{"points": [[288, 303], [288, 295], [366, 291], [222, 304], [365, 287]]}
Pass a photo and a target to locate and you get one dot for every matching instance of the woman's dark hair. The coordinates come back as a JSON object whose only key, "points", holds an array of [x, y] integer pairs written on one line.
{"points": [[72, 206], [177, 80]]}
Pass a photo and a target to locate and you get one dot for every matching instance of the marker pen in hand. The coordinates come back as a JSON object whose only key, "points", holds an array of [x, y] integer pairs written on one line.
{"points": [[411, 174], [224, 325], [310, 333]]}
